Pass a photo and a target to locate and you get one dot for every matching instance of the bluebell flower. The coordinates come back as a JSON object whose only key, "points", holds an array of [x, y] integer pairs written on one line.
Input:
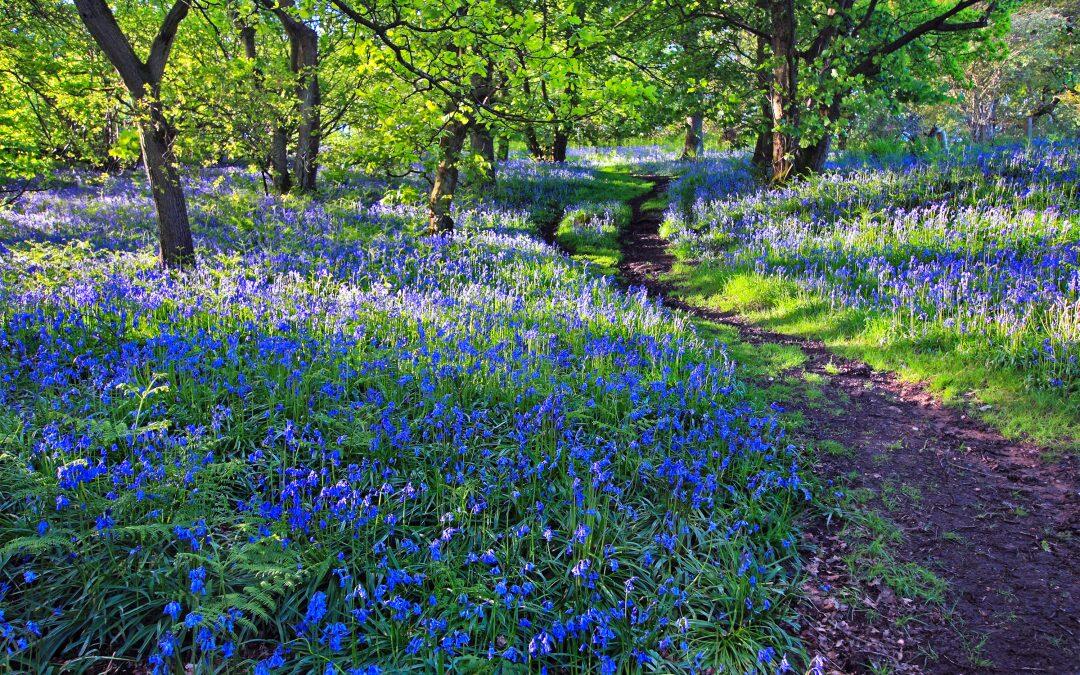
{"points": [[198, 580], [173, 610]]}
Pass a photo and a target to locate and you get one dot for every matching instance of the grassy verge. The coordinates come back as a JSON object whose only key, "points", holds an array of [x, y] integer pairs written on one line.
{"points": [[769, 377], [597, 214], [950, 365]]}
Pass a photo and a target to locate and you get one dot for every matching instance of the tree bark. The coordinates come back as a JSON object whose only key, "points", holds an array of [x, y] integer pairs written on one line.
{"points": [[304, 63], [308, 134], [480, 138], [561, 139], [694, 141], [783, 90], [1042, 109], [812, 158], [763, 144], [110, 135], [532, 142], [277, 159], [559, 145], [143, 83], [446, 177], [156, 138], [484, 145]]}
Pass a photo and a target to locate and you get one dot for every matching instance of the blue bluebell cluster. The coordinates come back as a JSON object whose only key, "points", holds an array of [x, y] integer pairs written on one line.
{"points": [[341, 447], [982, 245]]}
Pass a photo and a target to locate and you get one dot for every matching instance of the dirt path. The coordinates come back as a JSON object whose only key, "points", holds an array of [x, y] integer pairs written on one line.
{"points": [[985, 514]]}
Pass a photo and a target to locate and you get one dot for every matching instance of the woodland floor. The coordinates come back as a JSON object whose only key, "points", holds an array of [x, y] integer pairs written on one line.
{"points": [[956, 550]]}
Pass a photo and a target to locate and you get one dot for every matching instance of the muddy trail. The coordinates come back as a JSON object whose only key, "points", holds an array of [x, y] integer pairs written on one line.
{"points": [[987, 515]]}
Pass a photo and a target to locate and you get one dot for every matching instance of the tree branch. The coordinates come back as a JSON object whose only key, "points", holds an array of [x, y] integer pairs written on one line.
{"points": [[938, 24], [101, 23], [163, 41]]}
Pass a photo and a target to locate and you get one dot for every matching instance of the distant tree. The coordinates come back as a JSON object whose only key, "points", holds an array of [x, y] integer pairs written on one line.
{"points": [[304, 62], [699, 71], [817, 56], [1034, 70], [486, 63]]}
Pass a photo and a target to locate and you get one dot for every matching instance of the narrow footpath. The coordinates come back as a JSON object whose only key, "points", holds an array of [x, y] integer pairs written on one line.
{"points": [[985, 514]]}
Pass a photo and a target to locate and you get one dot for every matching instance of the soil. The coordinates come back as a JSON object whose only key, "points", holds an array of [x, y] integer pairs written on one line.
{"points": [[986, 514]]}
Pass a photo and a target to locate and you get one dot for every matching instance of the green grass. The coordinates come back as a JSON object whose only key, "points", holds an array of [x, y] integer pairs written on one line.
{"points": [[597, 214], [834, 448], [950, 366], [591, 230]]}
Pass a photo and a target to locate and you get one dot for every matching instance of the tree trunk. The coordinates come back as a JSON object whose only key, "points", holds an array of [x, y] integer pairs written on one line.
{"points": [[812, 159], [174, 235], [762, 147], [279, 159], [942, 137], [694, 142], [110, 136], [305, 59], [142, 81], [480, 138], [532, 142], [484, 145], [783, 90], [559, 145], [760, 158], [561, 137], [446, 177], [304, 63], [1045, 108]]}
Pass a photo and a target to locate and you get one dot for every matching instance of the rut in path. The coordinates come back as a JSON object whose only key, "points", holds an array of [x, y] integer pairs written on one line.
{"points": [[986, 514]]}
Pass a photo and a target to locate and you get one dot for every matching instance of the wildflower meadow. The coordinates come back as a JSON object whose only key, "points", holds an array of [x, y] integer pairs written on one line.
{"points": [[379, 337]]}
